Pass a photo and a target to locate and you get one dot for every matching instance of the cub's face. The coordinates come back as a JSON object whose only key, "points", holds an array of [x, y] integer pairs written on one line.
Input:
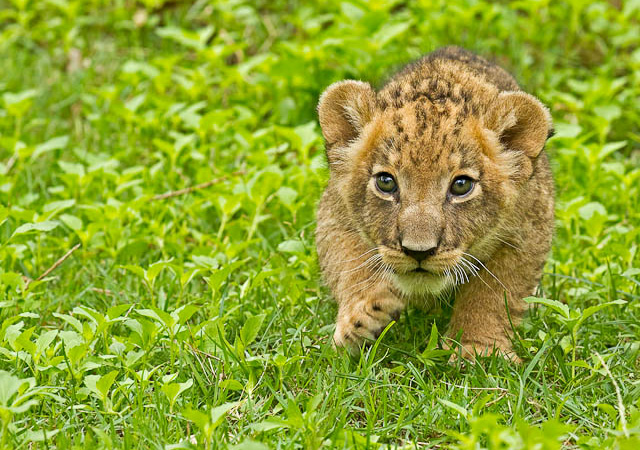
{"points": [[428, 184]]}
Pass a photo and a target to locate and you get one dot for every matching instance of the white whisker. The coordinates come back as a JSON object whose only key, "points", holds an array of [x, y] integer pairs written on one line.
{"points": [[377, 277], [456, 270], [447, 273], [375, 267], [379, 265], [507, 243], [488, 271], [471, 267], [367, 262], [464, 274], [358, 257]]}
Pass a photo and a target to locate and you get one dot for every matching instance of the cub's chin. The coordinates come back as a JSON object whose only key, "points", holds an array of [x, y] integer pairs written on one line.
{"points": [[420, 282]]}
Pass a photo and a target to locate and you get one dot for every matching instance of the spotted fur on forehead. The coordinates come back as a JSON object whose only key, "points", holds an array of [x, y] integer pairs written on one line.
{"points": [[448, 74], [419, 135], [427, 105], [441, 91]]}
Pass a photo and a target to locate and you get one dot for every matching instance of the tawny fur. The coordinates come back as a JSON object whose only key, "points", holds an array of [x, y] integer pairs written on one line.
{"points": [[449, 114]]}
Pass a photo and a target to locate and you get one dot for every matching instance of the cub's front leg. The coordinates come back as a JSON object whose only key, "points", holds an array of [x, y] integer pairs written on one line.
{"points": [[357, 277], [480, 311]]}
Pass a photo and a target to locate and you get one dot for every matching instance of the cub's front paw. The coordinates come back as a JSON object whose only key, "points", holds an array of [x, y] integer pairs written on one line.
{"points": [[364, 322]]}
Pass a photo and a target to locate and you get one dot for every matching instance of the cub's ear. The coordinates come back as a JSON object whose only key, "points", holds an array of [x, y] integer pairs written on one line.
{"points": [[344, 109], [521, 122]]}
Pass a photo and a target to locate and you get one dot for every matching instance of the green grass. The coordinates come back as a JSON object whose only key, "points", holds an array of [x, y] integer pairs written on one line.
{"points": [[199, 320]]}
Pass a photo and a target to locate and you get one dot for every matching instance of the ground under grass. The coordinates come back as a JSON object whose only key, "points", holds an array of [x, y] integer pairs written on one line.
{"points": [[197, 318]]}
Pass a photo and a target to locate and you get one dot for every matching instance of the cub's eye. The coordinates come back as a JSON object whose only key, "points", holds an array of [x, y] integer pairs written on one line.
{"points": [[461, 186], [386, 183]]}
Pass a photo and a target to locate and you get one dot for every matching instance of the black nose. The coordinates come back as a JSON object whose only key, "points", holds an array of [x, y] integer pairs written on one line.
{"points": [[419, 255]]}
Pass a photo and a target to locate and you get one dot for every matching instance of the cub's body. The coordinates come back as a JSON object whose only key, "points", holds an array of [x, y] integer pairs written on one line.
{"points": [[439, 183]]}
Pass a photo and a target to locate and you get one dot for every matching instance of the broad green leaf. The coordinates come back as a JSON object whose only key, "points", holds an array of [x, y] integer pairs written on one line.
{"points": [[567, 130], [219, 276], [44, 340], [291, 246], [90, 382], [269, 424], [158, 315], [73, 222], [263, 275], [233, 385], [58, 206], [173, 390], [251, 328], [154, 269], [611, 147], [433, 338], [588, 312], [71, 339], [389, 32], [11, 98], [72, 168], [75, 323], [590, 209], [187, 276], [185, 312], [198, 417], [249, 445], [287, 195], [555, 305], [11, 387], [219, 412], [139, 271], [55, 143], [77, 352], [105, 382], [134, 103], [188, 38], [117, 311], [39, 435], [18, 103], [31, 227], [90, 313], [294, 416], [608, 112]]}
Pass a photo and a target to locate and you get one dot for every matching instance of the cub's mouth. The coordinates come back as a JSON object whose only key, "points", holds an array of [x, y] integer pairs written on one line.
{"points": [[420, 281], [422, 271], [418, 271]]}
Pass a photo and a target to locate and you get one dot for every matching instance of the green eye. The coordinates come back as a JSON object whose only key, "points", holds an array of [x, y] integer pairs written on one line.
{"points": [[386, 183], [461, 186]]}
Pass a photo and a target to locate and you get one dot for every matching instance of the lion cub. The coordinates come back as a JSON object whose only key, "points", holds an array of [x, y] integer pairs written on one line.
{"points": [[438, 184]]}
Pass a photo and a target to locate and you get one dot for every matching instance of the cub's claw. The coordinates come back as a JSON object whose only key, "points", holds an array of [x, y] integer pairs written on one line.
{"points": [[365, 322]]}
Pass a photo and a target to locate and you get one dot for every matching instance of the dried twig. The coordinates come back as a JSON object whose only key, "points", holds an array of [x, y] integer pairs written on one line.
{"points": [[196, 187], [496, 400], [208, 355], [55, 265]]}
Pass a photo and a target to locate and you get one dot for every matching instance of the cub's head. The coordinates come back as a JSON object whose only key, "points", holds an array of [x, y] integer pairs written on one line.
{"points": [[431, 175]]}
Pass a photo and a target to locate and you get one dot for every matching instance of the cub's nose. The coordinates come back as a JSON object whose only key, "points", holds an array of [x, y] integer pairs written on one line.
{"points": [[419, 254]]}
